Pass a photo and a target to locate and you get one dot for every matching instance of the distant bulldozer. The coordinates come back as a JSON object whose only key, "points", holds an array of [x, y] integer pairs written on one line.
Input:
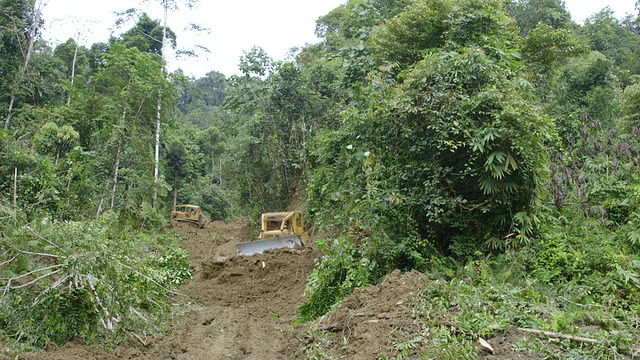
{"points": [[191, 214], [279, 230]]}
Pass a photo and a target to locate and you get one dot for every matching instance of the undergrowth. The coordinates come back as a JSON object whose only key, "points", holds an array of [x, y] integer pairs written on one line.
{"points": [[95, 281], [486, 300], [501, 297]]}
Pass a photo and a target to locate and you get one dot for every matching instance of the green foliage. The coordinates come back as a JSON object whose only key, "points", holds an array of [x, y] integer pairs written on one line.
{"points": [[277, 116], [405, 37], [446, 152], [214, 202], [499, 294], [56, 140], [588, 255], [631, 105], [529, 14], [618, 42], [337, 273], [142, 217], [458, 131], [173, 266], [91, 281], [545, 45], [146, 36]]}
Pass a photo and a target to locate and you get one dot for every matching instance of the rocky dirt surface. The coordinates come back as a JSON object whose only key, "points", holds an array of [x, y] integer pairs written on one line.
{"points": [[243, 308]]}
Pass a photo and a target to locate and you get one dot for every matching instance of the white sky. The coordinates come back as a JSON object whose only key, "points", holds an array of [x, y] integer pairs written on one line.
{"points": [[236, 25]]}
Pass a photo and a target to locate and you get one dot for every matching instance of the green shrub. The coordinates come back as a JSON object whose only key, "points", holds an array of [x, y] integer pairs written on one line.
{"points": [[87, 280], [337, 273]]}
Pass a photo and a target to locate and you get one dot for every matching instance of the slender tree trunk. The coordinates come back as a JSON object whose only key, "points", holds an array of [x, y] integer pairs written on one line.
{"points": [[158, 119], [15, 196], [6, 122], [68, 187], [115, 176], [15, 188], [32, 34], [213, 166], [117, 164], [99, 208], [175, 188], [73, 73], [157, 150]]}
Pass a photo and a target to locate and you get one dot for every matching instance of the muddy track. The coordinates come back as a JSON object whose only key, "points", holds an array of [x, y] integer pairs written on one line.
{"points": [[242, 307]]}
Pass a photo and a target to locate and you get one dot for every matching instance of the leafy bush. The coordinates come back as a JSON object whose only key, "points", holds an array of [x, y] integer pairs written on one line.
{"points": [[483, 300], [588, 255], [213, 201], [141, 217], [445, 155], [337, 273], [87, 280], [172, 266]]}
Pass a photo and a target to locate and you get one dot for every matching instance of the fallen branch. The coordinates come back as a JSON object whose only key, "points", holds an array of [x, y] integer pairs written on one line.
{"points": [[8, 287], [10, 280], [144, 343], [8, 261], [34, 271], [156, 283], [43, 239], [109, 323], [36, 253], [561, 336], [579, 339], [54, 286]]}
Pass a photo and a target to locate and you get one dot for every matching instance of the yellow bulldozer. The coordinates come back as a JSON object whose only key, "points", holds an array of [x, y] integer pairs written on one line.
{"points": [[191, 214], [279, 230]]}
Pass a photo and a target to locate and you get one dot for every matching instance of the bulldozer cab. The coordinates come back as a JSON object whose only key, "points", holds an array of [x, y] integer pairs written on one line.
{"points": [[191, 214], [279, 230], [278, 224]]}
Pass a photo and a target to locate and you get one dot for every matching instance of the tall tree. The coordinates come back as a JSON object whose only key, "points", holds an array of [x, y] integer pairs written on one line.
{"points": [[20, 31], [529, 13], [74, 57], [166, 6], [147, 36], [178, 163], [126, 89]]}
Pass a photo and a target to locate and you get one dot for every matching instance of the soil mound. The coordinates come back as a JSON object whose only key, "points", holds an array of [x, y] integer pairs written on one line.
{"points": [[371, 320]]}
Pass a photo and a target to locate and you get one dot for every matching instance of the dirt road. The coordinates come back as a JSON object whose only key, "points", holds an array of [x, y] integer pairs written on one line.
{"points": [[243, 306]]}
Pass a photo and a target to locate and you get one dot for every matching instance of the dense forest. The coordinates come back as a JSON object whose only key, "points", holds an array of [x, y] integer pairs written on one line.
{"points": [[493, 145]]}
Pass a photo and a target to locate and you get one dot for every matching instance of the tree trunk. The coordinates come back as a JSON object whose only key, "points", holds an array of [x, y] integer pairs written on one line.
{"points": [[68, 187], [15, 188], [115, 177], [99, 208], [175, 188], [157, 149], [213, 166], [73, 73], [6, 122]]}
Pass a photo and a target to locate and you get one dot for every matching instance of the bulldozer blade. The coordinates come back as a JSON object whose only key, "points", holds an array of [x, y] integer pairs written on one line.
{"points": [[260, 246]]}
